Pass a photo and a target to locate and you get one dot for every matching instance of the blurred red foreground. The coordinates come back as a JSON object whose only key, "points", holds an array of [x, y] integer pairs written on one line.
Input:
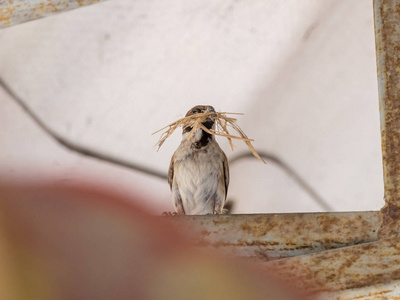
{"points": [[82, 243]]}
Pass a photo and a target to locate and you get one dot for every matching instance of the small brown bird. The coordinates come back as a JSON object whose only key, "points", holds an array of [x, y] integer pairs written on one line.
{"points": [[199, 173]]}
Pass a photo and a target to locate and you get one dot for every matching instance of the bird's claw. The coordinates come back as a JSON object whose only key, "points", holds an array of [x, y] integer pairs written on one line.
{"points": [[169, 214]]}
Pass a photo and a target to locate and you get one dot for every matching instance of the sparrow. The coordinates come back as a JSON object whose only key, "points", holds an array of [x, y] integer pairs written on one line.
{"points": [[198, 174]]}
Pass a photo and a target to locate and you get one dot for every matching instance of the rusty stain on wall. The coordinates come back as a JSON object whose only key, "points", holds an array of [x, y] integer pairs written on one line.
{"points": [[273, 236], [19, 11], [372, 292], [387, 38], [342, 269]]}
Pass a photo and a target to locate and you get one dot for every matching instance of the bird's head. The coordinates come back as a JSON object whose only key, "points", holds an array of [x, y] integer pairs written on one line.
{"points": [[208, 123]]}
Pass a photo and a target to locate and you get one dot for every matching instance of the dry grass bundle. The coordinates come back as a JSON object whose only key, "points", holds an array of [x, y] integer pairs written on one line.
{"points": [[221, 121]]}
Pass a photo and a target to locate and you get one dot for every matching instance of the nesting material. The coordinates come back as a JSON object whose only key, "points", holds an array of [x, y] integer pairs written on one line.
{"points": [[222, 122]]}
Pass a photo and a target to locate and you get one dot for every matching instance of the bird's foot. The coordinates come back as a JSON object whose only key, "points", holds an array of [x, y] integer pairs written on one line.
{"points": [[214, 213], [169, 214]]}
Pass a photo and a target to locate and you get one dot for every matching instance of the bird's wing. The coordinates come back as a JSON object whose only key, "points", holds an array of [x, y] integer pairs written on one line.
{"points": [[171, 172], [176, 196], [222, 186], [225, 170]]}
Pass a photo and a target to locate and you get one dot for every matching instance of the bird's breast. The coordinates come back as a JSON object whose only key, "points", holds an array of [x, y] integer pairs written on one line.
{"points": [[198, 175]]}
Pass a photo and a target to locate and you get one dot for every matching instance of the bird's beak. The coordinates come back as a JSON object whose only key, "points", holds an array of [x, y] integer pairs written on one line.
{"points": [[212, 117], [208, 123]]}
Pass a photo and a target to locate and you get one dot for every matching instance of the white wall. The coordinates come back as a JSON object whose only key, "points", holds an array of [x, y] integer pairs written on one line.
{"points": [[108, 75]]}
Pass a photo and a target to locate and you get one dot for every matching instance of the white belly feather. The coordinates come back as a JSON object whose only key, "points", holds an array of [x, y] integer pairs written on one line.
{"points": [[198, 175]]}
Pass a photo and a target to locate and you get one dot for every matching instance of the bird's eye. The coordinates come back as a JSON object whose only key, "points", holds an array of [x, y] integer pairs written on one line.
{"points": [[196, 111]]}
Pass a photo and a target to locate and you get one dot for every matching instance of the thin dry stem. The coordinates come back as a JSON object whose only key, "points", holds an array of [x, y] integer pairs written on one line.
{"points": [[221, 128]]}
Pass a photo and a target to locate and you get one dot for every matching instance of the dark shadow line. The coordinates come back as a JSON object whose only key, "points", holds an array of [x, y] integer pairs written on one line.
{"points": [[124, 163], [74, 146]]}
